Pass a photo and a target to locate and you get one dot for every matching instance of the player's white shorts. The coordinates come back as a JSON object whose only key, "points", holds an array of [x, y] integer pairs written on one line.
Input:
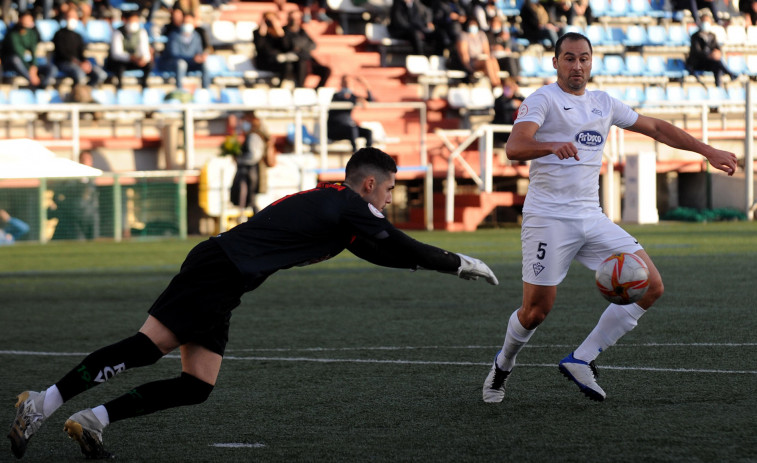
{"points": [[549, 245]]}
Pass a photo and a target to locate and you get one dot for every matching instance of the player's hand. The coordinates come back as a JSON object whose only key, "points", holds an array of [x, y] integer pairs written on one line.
{"points": [[472, 268], [723, 160], [566, 150]]}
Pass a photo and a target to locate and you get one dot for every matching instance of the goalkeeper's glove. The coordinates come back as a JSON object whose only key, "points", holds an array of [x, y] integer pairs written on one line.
{"points": [[472, 268]]}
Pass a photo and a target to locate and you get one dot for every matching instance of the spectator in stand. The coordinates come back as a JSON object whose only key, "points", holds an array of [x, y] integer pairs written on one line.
{"points": [[271, 51], [11, 228], [748, 9], [341, 125], [705, 53], [536, 25], [299, 42], [410, 20], [448, 19], [68, 54], [696, 8], [257, 145], [473, 54], [101, 9], [185, 52], [320, 11], [506, 107], [485, 11], [19, 52], [177, 20], [188, 6], [83, 7], [504, 49], [130, 50]]}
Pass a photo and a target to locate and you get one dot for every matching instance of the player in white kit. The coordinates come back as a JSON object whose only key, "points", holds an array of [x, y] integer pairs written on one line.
{"points": [[562, 129]]}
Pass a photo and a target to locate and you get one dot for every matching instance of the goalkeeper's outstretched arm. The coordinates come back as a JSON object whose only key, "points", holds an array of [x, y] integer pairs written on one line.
{"points": [[394, 248]]}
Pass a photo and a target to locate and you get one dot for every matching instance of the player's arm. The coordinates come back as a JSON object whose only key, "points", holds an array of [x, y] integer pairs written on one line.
{"points": [[673, 136], [393, 248], [522, 146]]}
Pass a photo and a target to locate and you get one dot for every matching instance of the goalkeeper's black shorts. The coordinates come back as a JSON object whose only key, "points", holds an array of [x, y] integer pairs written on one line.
{"points": [[196, 306]]}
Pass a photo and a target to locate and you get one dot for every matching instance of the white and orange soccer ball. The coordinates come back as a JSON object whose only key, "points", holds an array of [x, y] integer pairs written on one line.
{"points": [[622, 278]]}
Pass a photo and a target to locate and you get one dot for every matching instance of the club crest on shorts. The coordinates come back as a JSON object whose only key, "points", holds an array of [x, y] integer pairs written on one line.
{"points": [[538, 267]]}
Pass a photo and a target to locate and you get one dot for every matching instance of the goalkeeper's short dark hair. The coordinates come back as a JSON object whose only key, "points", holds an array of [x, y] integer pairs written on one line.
{"points": [[369, 161]]}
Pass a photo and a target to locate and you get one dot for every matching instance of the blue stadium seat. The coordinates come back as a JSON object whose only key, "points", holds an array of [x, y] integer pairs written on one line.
{"points": [[599, 7], [634, 95], [636, 36], [619, 8], [737, 64], [217, 66], [596, 65], [529, 66], [696, 94], [613, 65], [3, 30], [21, 96], [204, 96], [596, 33], [615, 92], [678, 36], [717, 95], [737, 94], [675, 93], [655, 65], [98, 31], [653, 95], [104, 96], [615, 36], [635, 66], [153, 96], [45, 96], [231, 96], [656, 35], [128, 97], [675, 68], [47, 29]]}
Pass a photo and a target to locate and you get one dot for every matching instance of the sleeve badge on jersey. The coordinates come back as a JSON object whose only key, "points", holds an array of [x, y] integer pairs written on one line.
{"points": [[522, 111], [375, 211]]}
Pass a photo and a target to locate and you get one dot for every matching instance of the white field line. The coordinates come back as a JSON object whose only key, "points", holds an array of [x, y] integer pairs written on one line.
{"points": [[412, 362]]}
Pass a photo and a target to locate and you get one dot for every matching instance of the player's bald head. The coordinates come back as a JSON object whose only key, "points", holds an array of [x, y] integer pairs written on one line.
{"points": [[369, 161]]}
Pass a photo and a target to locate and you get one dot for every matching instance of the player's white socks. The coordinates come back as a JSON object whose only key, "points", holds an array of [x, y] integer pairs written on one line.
{"points": [[517, 337], [102, 414], [53, 400], [616, 321]]}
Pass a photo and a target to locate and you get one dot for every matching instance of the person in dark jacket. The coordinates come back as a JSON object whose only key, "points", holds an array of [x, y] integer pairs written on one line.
{"points": [[410, 20], [341, 125], [705, 53], [299, 42], [68, 54]]}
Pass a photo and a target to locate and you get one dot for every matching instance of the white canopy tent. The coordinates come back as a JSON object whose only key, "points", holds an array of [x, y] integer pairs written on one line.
{"points": [[25, 158]]}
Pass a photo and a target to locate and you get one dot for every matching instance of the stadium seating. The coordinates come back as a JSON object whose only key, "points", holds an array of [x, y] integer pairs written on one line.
{"points": [[44, 96], [231, 96], [47, 29], [21, 97], [377, 35], [636, 36], [98, 31], [245, 31], [223, 34], [653, 95], [255, 97], [219, 71], [304, 96]]}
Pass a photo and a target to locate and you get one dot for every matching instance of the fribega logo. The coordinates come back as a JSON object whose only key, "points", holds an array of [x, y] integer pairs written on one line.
{"points": [[589, 138]]}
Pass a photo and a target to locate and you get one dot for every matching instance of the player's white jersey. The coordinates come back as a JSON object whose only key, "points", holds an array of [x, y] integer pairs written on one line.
{"points": [[585, 120]]}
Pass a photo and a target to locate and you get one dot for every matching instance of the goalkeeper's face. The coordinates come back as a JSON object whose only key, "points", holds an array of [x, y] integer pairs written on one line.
{"points": [[379, 194]]}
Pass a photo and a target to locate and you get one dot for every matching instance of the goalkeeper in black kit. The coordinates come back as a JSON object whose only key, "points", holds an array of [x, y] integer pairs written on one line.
{"points": [[194, 311]]}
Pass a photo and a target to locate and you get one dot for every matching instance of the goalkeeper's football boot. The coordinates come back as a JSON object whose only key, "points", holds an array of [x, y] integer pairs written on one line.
{"points": [[87, 431], [585, 375], [29, 418], [495, 383]]}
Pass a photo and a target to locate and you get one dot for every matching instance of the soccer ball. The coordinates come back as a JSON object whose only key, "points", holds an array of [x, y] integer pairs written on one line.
{"points": [[622, 278]]}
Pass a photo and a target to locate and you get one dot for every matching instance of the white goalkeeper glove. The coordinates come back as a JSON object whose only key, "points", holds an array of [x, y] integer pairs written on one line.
{"points": [[472, 268]]}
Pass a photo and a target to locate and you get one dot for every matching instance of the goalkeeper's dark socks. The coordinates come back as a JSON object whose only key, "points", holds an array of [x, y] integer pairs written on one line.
{"points": [[103, 364], [159, 395]]}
